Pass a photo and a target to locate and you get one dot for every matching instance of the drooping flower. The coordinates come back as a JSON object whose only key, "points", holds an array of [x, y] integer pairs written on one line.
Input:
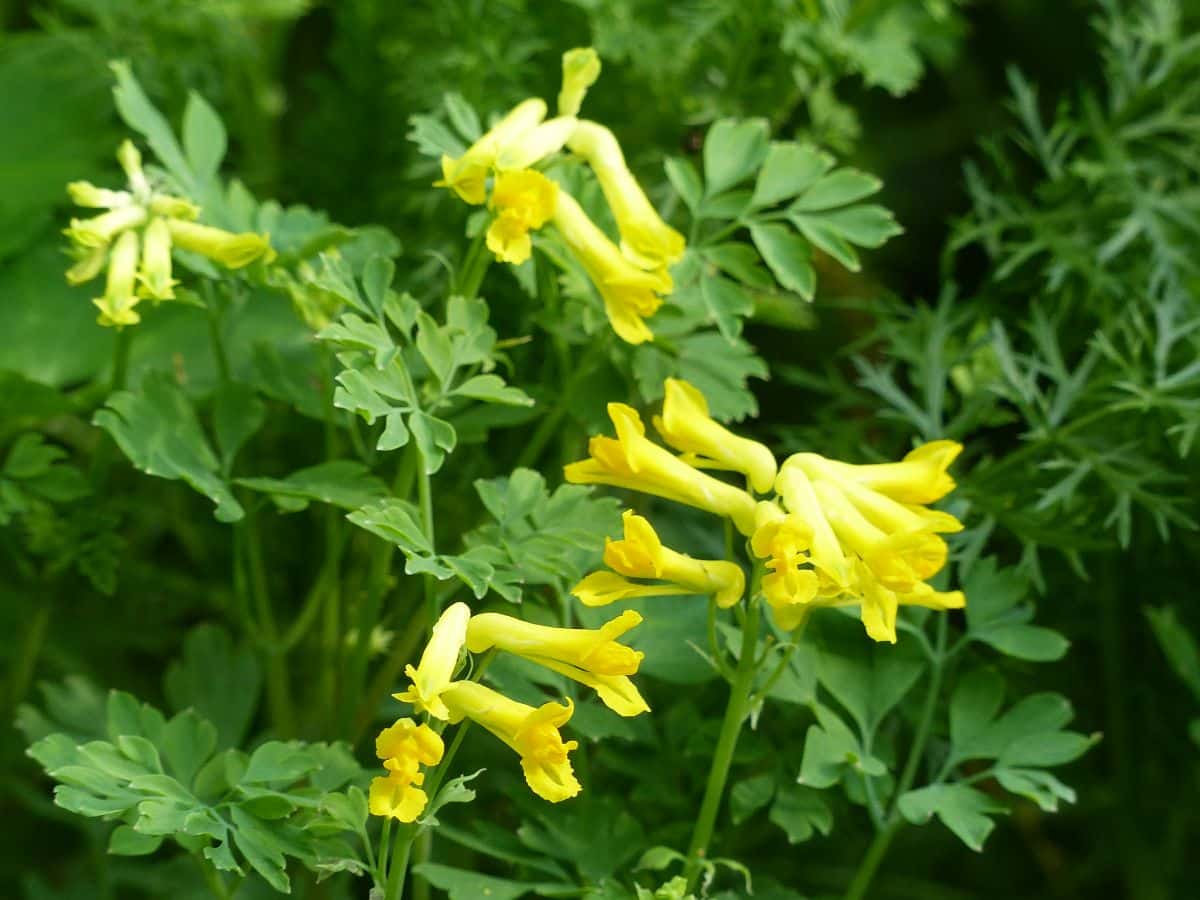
{"points": [[523, 200], [404, 747], [155, 274], [591, 656], [233, 251], [630, 294], [531, 732], [646, 239], [641, 554], [117, 305], [686, 425], [633, 461], [431, 677]]}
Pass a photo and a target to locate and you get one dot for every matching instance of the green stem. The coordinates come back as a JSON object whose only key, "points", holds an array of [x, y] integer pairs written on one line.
{"points": [[917, 751], [474, 267], [550, 422], [735, 715], [120, 368], [23, 666], [871, 862], [278, 681], [213, 879], [212, 302]]}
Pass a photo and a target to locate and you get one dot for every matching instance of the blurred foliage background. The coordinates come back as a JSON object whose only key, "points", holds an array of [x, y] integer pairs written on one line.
{"points": [[1042, 159]]}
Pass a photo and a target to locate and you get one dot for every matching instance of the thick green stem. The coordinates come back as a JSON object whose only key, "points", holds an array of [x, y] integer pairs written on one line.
{"points": [[398, 866], [120, 368], [871, 862], [736, 712]]}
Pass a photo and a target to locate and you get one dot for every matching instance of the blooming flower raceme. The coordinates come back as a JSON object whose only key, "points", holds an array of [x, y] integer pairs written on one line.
{"points": [[640, 554], [632, 461], [531, 731], [143, 218], [591, 656], [404, 747], [438, 662]]}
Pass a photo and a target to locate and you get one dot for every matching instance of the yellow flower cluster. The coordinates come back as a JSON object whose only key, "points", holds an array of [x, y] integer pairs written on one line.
{"points": [[134, 238], [632, 277], [828, 533], [591, 656], [404, 748]]}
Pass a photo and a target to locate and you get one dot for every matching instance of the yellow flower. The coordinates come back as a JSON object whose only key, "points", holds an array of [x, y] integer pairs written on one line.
{"points": [[602, 588], [438, 662], [590, 656], [84, 193], [230, 250], [99, 230], [173, 207], [517, 141], [799, 497], [581, 68], [524, 200], [396, 798], [531, 732], [645, 238], [404, 747], [641, 554], [634, 462], [131, 162], [117, 305], [155, 274], [630, 295], [879, 604], [686, 425], [790, 584], [921, 477], [90, 264]]}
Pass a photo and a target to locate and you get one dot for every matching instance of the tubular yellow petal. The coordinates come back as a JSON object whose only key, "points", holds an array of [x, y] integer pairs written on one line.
{"points": [[89, 265], [131, 162], [508, 238], [630, 295], [524, 200], [117, 305], [466, 176], [581, 68], [640, 553], [407, 739], [438, 662], [879, 606], [594, 650], [617, 692], [98, 231], [921, 477], [645, 238], [603, 588], [536, 144], [84, 193], [532, 733], [686, 425], [155, 274], [799, 497], [173, 207], [233, 251]]}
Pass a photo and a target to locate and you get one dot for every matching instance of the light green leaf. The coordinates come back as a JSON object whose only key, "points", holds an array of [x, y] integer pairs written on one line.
{"points": [[686, 181], [789, 257], [727, 304], [492, 389], [143, 117], [788, 170], [839, 188], [204, 139], [800, 811], [238, 413], [124, 841], [732, 151], [340, 482], [962, 809], [750, 795], [220, 681]]}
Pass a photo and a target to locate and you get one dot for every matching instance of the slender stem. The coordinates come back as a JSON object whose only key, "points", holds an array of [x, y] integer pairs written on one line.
{"points": [[120, 368], [214, 331], [917, 751], [731, 727], [278, 681], [23, 666], [385, 846], [549, 425], [475, 266], [871, 862], [213, 879], [398, 867]]}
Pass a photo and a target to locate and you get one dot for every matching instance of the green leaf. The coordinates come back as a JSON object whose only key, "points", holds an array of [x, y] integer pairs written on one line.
{"points": [[727, 305], [277, 761], [839, 188], [997, 617], [491, 388], [159, 432], [459, 884], [340, 482], [435, 438], [732, 151], [394, 521], [789, 257], [124, 841], [686, 181], [143, 117], [789, 169], [831, 750], [453, 791], [435, 347], [238, 413], [750, 795], [740, 262], [976, 701], [262, 850], [204, 139], [220, 681], [1177, 643], [377, 276], [800, 811], [962, 809]]}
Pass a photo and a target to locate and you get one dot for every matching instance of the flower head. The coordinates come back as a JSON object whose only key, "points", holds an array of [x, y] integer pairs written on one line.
{"points": [[633, 461], [404, 747], [531, 731], [524, 201], [438, 662]]}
